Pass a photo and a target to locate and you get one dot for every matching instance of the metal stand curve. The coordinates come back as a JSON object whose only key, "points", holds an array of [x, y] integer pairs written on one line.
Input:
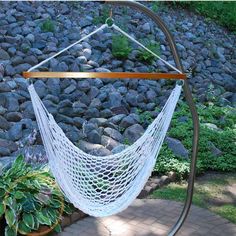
{"points": [[189, 99]]}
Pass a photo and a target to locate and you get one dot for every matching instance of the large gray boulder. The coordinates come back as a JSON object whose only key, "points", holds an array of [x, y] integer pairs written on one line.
{"points": [[133, 133], [177, 147]]}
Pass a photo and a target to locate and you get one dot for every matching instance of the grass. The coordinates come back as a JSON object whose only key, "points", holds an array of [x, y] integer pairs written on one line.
{"points": [[211, 192], [223, 12]]}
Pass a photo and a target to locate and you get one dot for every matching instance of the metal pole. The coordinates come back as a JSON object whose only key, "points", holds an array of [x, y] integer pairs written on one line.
{"points": [[189, 100]]}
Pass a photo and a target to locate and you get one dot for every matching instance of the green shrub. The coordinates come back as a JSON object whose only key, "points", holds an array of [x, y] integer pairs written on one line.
{"points": [[29, 199], [105, 13], [167, 162], [48, 26], [224, 139], [120, 47], [224, 12], [146, 56]]}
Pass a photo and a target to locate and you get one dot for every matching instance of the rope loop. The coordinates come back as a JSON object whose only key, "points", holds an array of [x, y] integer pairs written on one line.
{"points": [[109, 22]]}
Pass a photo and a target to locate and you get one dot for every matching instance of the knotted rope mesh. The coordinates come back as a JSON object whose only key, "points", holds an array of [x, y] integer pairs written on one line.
{"points": [[102, 185]]}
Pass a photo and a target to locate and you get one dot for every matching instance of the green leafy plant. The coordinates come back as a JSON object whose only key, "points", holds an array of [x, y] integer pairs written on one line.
{"points": [[146, 56], [30, 199], [48, 26], [155, 6], [126, 141], [223, 138], [223, 12], [104, 14], [167, 162], [120, 47], [145, 117]]}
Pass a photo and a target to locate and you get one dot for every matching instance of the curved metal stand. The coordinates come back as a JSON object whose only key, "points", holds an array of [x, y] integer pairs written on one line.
{"points": [[189, 100]]}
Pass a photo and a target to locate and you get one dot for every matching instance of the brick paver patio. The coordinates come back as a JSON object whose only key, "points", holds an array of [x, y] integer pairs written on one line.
{"points": [[150, 217]]}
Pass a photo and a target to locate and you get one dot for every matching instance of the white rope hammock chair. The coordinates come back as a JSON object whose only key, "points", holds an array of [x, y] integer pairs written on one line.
{"points": [[104, 185]]}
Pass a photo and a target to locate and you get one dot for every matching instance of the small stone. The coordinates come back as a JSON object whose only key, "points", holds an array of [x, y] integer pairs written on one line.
{"points": [[146, 28], [4, 55], [93, 149], [106, 113], [211, 126], [116, 119], [12, 104], [4, 87], [62, 66], [83, 85], [100, 152], [101, 69], [113, 134], [4, 151], [30, 37], [119, 148], [14, 116], [92, 112], [165, 180], [151, 96], [22, 67], [40, 88], [99, 121], [216, 152], [84, 22], [82, 60], [115, 99], [2, 110], [65, 119], [98, 83], [94, 137], [96, 103], [93, 92], [78, 122], [109, 143], [15, 132], [4, 124], [10, 70], [87, 53], [127, 121], [70, 89], [131, 98], [88, 127]]}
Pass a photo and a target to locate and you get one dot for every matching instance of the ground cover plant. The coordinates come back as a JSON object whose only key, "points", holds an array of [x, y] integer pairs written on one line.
{"points": [[30, 200], [146, 56], [223, 12], [217, 149], [120, 47], [48, 26]]}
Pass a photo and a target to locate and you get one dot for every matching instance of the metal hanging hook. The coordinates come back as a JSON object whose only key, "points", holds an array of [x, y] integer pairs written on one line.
{"points": [[110, 21]]}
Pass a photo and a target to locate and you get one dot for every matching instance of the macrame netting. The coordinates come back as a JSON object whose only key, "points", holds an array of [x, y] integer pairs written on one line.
{"points": [[102, 185]]}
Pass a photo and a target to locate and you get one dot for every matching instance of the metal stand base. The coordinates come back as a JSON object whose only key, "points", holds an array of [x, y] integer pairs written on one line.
{"points": [[189, 100]]}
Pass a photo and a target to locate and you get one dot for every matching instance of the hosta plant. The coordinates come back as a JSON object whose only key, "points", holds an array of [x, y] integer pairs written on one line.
{"points": [[30, 200]]}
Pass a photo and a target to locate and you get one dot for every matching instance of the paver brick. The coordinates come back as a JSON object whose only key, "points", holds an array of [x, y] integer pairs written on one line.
{"points": [[152, 217]]}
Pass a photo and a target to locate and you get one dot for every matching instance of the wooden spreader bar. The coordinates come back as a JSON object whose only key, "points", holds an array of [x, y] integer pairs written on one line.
{"points": [[105, 75]]}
